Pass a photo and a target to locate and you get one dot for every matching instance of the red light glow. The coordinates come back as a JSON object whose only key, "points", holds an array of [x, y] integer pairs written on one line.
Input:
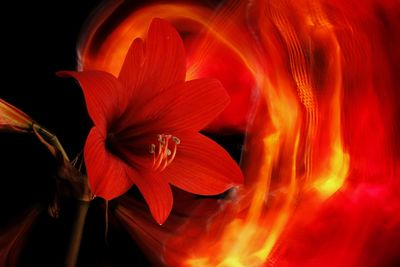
{"points": [[315, 89]]}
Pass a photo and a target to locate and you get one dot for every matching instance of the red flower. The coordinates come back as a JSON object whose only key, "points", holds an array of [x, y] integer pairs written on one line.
{"points": [[146, 125]]}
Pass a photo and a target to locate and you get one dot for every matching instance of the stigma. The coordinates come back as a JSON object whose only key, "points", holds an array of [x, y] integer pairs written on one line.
{"points": [[164, 151]]}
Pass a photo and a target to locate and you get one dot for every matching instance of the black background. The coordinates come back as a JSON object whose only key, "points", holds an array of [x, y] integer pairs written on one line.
{"points": [[39, 38]]}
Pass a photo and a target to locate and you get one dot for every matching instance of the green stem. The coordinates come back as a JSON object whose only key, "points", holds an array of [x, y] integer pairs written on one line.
{"points": [[80, 187], [76, 233], [49, 139]]}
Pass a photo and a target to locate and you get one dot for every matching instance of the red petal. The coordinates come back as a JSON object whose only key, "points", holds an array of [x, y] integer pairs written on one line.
{"points": [[164, 63], [105, 97], [202, 167], [186, 106], [130, 71], [107, 174], [157, 193]]}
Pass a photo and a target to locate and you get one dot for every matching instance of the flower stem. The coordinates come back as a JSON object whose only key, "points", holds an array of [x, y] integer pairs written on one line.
{"points": [[50, 140], [78, 189], [76, 233]]}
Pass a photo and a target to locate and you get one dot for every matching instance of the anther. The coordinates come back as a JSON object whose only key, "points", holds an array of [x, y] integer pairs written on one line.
{"points": [[152, 149], [176, 140]]}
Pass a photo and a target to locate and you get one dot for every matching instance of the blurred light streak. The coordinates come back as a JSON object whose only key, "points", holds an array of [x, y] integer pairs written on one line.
{"points": [[315, 89]]}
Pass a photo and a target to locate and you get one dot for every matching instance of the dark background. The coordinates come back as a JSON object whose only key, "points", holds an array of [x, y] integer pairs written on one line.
{"points": [[39, 39]]}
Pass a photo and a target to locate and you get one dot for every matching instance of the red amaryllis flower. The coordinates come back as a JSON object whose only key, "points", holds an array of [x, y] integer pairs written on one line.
{"points": [[147, 122], [13, 119]]}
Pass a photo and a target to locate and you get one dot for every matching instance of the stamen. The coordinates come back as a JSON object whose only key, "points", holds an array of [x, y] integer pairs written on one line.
{"points": [[164, 155], [158, 160], [173, 155], [164, 166], [152, 149], [176, 140]]}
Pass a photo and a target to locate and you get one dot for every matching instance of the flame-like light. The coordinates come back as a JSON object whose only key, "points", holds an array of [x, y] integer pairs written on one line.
{"points": [[315, 87]]}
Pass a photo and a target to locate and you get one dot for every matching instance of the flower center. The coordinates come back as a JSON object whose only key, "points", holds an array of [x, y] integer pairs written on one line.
{"points": [[162, 154], [111, 143]]}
